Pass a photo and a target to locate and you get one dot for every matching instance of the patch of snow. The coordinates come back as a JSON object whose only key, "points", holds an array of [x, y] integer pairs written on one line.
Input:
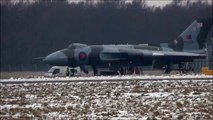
{"points": [[157, 94], [29, 96], [9, 106], [131, 94], [35, 105]]}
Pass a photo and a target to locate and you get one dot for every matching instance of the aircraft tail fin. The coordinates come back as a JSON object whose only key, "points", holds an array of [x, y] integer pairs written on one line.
{"points": [[194, 37]]}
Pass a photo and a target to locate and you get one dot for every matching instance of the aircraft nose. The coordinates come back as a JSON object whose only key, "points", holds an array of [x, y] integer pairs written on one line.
{"points": [[56, 58]]}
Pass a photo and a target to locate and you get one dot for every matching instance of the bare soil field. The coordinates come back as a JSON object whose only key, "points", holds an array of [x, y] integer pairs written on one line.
{"points": [[145, 100]]}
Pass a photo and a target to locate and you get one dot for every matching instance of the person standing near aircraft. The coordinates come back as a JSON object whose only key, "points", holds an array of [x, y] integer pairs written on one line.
{"points": [[67, 71]]}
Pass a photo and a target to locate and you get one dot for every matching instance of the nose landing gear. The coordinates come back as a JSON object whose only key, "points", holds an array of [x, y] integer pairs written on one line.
{"points": [[130, 70]]}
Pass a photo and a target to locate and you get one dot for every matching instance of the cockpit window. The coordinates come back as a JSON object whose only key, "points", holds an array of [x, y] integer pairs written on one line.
{"points": [[76, 45]]}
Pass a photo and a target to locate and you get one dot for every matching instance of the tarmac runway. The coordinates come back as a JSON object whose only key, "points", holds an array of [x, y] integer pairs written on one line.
{"points": [[105, 78]]}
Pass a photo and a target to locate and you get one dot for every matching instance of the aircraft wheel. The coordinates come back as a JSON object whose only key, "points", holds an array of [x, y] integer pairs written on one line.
{"points": [[95, 71], [187, 67], [122, 71], [137, 71], [131, 70], [168, 69]]}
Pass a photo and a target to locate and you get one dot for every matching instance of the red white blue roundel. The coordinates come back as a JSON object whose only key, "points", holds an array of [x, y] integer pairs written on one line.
{"points": [[82, 56]]}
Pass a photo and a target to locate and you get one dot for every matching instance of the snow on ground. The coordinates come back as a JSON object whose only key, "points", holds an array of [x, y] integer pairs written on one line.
{"points": [[114, 77], [108, 100]]}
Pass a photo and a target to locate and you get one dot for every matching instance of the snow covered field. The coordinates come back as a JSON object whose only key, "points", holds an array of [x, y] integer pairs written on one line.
{"points": [[144, 100]]}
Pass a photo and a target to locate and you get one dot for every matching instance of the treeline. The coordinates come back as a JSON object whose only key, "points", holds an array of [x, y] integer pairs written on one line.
{"points": [[37, 29]]}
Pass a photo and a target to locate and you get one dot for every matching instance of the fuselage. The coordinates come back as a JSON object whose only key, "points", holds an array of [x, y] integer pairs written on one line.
{"points": [[97, 54], [103, 55]]}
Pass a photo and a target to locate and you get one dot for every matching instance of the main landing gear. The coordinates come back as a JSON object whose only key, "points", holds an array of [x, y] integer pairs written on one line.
{"points": [[130, 70], [183, 67], [186, 67]]}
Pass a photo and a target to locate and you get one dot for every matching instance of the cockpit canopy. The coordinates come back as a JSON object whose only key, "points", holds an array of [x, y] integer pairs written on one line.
{"points": [[76, 45]]}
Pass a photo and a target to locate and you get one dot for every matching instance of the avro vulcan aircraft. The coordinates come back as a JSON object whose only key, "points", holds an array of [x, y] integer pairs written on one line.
{"points": [[188, 46]]}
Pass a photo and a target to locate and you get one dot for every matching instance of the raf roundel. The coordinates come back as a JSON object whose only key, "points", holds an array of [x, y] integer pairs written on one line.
{"points": [[82, 56]]}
